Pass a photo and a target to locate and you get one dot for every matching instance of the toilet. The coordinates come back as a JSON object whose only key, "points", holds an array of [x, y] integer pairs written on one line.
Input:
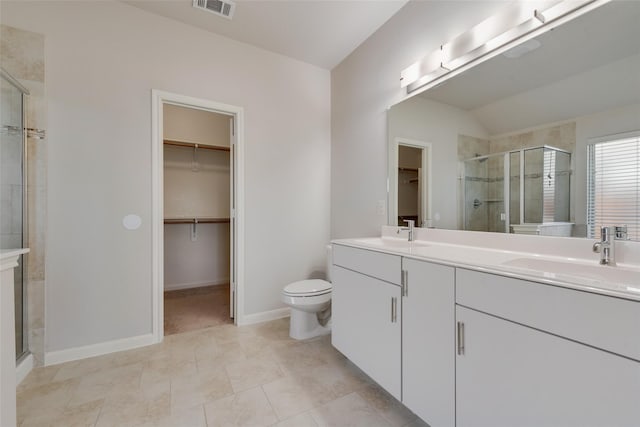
{"points": [[310, 302]]}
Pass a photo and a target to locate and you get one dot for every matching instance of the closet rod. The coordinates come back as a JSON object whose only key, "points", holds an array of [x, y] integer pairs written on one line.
{"points": [[192, 145], [196, 220]]}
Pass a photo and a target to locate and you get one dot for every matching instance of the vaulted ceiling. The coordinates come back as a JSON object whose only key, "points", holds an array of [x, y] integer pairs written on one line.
{"points": [[320, 32]]}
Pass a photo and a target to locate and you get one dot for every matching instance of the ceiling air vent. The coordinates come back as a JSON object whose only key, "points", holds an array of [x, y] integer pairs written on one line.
{"points": [[219, 7]]}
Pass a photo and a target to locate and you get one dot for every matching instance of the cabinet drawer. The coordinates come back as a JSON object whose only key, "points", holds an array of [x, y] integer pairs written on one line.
{"points": [[375, 264], [609, 323]]}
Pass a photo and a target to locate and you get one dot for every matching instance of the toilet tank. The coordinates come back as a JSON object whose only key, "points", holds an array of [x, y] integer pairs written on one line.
{"points": [[329, 265]]}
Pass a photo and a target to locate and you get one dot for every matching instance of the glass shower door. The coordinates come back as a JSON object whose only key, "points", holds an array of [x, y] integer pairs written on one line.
{"points": [[12, 196], [484, 201], [476, 191]]}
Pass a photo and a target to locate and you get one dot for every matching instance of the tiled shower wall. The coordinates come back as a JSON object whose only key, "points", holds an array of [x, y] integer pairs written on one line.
{"points": [[487, 217], [22, 55]]}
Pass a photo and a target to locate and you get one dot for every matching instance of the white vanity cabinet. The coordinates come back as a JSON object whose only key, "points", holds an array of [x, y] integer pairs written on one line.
{"points": [[530, 354], [366, 313], [428, 341]]}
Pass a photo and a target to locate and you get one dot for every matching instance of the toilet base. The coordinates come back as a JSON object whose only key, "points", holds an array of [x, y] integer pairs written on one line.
{"points": [[304, 325]]}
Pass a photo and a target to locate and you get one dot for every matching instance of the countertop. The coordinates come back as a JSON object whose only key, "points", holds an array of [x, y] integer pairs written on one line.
{"points": [[621, 281]]}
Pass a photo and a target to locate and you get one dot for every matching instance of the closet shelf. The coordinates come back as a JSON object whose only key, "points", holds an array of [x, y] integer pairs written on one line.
{"points": [[196, 220], [192, 145]]}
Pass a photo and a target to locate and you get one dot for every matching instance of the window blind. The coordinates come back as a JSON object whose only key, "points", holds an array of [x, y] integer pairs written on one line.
{"points": [[613, 187]]}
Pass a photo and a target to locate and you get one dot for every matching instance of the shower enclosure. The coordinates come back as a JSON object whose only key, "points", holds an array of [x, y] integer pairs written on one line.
{"points": [[13, 176], [497, 199]]}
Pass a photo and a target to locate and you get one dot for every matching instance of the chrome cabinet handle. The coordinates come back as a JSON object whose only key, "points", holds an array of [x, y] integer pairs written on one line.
{"points": [[460, 338], [404, 282], [394, 309]]}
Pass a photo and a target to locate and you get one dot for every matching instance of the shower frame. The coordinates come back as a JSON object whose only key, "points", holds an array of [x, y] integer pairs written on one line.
{"points": [[506, 174], [25, 211]]}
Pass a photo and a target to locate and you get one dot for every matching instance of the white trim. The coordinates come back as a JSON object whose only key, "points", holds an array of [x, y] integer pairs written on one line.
{"points": [[392, 180], [77, 353], [178, 286], [265, 316], [23, 368], [613, 137], [158, 98]]}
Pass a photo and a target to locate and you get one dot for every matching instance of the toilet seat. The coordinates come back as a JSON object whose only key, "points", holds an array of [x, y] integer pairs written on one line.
{"points": [[307, 288]]}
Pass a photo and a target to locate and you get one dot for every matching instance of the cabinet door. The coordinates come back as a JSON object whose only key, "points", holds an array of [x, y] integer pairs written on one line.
{"points": [[512, 375], [428, 342], [366, 325]]}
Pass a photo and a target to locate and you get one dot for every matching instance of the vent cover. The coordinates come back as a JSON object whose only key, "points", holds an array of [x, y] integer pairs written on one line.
{"points": [[224, 8]]}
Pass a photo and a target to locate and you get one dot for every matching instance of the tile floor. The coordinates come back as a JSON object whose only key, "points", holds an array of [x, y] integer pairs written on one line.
{"points": [[220, 376], [192, 309]]}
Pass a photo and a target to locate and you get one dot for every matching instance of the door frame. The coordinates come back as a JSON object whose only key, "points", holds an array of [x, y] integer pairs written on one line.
{"points": [[392, 190], [158, 99]]}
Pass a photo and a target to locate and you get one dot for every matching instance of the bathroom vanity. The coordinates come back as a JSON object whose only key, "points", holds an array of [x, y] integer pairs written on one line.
{"points": [[528, 333]]}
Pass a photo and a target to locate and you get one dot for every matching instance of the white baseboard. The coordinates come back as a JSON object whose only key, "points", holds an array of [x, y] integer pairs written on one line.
{"points": [[23, 368], [178, 286], [264, 316], [76, 353]]}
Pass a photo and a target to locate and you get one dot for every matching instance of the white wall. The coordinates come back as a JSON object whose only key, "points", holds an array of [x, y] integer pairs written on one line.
{"points": [[197, 126], [189, 264], [439, 124], [363, 86], [203, 193], [102, 60]]}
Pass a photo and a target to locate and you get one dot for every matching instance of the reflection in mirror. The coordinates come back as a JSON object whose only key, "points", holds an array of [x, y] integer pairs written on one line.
{"points": [[409, 174], [509, 136], [541, 206]]}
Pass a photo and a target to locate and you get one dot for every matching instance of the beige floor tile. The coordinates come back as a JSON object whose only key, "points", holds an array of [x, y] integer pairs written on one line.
{"points": [[417, 423], [348, 411], [136, 406], [277, 330], [137, 355], [45, 400], [301, 420], [213, 354], [341, 378], [98, 385], [83, 367], [170, 385], [165, 369], [231, 333], [127, 418], [291, 395], [298, 357], [386, 405], [199, 388], [192, 417], [38, 376], [323, 348], [246, 374], [248, 408], [80, 416]]}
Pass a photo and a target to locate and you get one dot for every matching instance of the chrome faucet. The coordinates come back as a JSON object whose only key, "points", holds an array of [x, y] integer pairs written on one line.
{"points": [[411, 225], [606, 246]]}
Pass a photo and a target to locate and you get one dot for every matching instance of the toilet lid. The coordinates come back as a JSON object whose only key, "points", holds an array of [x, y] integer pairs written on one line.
{"points": [[308, 287]]}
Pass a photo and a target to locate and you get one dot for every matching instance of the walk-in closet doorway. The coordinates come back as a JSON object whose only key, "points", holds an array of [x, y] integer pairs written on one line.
{"points": [[197, 213]]}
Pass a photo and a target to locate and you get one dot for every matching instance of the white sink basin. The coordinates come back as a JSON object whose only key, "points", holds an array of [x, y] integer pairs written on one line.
{"points": [[390, 242], [591, 273]]}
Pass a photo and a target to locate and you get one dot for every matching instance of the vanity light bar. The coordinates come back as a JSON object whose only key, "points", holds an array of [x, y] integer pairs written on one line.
{"points": [[510, 24]]}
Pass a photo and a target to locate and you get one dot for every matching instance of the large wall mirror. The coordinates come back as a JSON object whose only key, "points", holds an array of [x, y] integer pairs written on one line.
{"points": [[519, 143]]}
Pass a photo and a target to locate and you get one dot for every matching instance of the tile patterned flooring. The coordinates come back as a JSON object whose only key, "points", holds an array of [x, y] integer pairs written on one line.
{"points": [[219, 376], [197, 308]]}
